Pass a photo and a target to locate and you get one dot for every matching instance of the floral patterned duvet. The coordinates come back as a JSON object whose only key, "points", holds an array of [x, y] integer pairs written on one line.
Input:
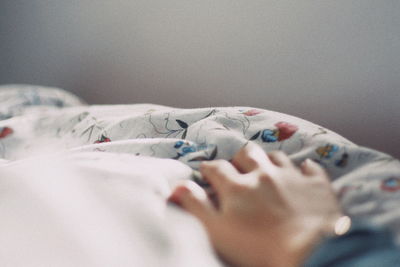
{"points": [[131, 156]]}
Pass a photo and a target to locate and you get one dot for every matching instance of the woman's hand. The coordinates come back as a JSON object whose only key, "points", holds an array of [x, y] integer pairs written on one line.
{"points": [[270, 213]]}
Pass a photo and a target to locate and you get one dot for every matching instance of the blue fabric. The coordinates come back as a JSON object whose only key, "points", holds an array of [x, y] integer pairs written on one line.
{"points": [[363, 246]]}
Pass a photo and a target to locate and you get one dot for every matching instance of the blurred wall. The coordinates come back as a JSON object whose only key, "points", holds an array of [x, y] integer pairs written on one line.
{"points": [[336, 63]]}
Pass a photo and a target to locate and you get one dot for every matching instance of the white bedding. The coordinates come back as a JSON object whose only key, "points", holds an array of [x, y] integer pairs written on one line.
{"points": [[86, 185]]}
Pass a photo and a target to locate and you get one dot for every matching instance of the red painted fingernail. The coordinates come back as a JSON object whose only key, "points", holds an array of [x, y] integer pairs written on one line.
{"points": [[177, 194]]}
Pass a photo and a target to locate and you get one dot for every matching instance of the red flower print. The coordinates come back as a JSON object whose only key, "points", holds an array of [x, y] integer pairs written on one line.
{"points": [[5, 131], [103, 139], [252, 112], [286, 130]]}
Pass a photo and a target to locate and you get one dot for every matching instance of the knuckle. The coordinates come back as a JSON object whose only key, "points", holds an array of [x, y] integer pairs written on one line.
{"points": [[277, 153], [248, 156], [318, 170], [265, 178], [220, 162], [235, 188], [249, 149], [240, 155], [242, 151], [217, 166], [319, 183], [236, 158], [323, 176], [253, 162], [223, 164], [211, 165]]}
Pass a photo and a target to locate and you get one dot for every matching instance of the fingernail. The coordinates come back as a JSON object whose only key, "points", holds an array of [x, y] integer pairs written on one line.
{"points": [[177, 194]]}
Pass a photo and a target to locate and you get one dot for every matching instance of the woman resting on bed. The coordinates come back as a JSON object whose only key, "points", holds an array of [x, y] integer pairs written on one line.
{"points": [[266, 215]]}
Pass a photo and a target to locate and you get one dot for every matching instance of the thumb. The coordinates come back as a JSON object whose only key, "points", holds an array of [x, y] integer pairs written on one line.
{"points": [[194, 200]]}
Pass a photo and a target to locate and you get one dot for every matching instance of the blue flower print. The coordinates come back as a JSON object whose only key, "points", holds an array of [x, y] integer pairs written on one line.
{"points": [[391, 184], [178, 144], [327, 151], [188, 149], [269, 136], [183, 148]]}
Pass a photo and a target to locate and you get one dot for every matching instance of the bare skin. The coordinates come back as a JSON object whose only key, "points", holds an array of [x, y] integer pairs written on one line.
{"points": [[270, 212]]}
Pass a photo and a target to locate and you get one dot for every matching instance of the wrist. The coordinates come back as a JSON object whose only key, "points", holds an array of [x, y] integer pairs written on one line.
{"points": [[310, 233]]}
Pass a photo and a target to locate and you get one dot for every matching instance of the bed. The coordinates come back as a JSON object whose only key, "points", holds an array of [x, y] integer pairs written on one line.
{"points": [[86, 185]]}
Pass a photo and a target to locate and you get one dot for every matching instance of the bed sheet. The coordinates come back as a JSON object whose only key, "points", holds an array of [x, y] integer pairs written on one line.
{"points": [[86, 185]]}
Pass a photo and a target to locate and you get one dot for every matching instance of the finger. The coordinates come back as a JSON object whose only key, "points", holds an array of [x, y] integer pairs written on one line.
{"points": [[193, 199], [250, 158], [220, 174], [280, 159], [311, 168]]}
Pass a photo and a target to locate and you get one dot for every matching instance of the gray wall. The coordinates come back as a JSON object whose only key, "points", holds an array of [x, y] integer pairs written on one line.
{"points": [[336, 63]]}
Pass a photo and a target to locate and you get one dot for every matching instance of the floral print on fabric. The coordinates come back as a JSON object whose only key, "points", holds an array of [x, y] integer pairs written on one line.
{"points": [[359, 174], [282, 132], [327, 151], [5, 131], [391, 185], [185, 148], [103, 139], [252, 112], [15, 99]]}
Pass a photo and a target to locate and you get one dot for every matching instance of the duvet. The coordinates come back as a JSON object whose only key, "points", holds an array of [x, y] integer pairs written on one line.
{"points": [[86, 185]]}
